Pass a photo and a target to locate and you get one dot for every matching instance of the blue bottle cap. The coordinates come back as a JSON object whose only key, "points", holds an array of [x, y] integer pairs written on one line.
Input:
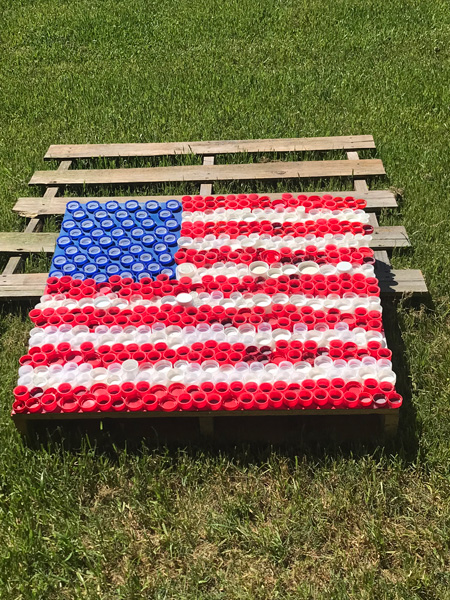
{"points": [[137, 268], [92, 206], [105, 241], [160, 232], [166, 260], [117, 233], [75, 233], [68, 225], [78, 275], [170, 240], [112, 206], [132, 205], [160, 248], [152, 206], [87, 225], [124, 243], [71, 251], [101, 261], [94, 251], [100, 278], [114, 253], [148, 241], [165, 214], [153, 269], [85, 242], [59, 261], [137, 233], [173, 205], [141, 215], [112, 270], [127, 260], [63, 241], [56, 274], [169, 272], [79, 215], [146, 258], [79, 260], [90, 270], [107, 224], [121, 215], [127, 224], [172, 225], [136, 249], [126, 274], [148, 224], [100, 215], [69, 268], [96, 234], [73, 205], [143, 274]]}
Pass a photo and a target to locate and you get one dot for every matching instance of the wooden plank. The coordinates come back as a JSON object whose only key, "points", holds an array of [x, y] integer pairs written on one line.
{"points": [[74, 151], [13, 263], [31, 207], [204, 173], [17, 242], [206, 188], [393, 283], [202, 415], [25, 243]]}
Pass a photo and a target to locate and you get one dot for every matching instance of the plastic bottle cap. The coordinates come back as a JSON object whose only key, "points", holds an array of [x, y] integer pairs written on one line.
{"points": [[152, 206]]}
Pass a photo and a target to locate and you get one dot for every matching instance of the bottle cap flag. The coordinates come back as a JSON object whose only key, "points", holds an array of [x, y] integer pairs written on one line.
{"points": [[236, 302]]}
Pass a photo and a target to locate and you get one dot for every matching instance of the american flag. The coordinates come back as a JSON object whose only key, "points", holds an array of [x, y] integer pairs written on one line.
{"points": [[238, 302]]}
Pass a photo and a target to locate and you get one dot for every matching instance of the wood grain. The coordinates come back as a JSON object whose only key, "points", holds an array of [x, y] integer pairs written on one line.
{"points": [[73, 151], [205, 173]]}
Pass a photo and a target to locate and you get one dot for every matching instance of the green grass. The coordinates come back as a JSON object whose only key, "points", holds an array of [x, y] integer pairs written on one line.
{"points": [[362, 523]]}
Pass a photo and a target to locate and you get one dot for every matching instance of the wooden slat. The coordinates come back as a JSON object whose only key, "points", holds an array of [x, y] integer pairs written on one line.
{"points": [[13, 263], [206, 188], [203, 415], [392, 283], [204, 173], [74, 151], [17, 242], [25, 243], [32, 207]]}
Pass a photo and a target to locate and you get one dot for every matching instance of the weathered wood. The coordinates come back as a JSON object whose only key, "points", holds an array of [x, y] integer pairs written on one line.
{"points": [[206, 188], [32, 207], [12, 242], [74, 151], [393, 283], [13, 263], [204, 173], [25, 243]]}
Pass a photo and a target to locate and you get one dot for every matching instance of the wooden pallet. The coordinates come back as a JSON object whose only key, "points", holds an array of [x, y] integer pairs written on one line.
{"points": [[393, 283]]}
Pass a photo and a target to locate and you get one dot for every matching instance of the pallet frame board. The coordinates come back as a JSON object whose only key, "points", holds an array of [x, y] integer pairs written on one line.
{"points": [[393, 283]]}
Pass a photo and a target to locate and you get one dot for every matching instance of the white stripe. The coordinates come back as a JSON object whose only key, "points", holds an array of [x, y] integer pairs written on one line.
{"points": [[283, 215], [194, 373], [176, 336]]}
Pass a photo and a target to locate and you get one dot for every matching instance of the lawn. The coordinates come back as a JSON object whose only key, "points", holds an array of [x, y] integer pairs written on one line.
{"points": [[354, 522]]}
